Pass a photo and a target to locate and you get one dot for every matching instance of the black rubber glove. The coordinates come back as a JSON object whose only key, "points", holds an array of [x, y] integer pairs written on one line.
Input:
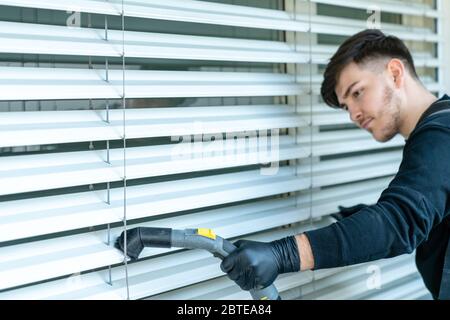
{"points": [[345, 212], [256, 265]]}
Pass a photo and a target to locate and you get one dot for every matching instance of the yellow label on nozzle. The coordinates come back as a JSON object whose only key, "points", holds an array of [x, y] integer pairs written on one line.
{"points": [[206, 233]]}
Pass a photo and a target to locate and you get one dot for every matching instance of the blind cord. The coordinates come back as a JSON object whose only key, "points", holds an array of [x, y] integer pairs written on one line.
{"points": [[124, 156], [311, 130]]}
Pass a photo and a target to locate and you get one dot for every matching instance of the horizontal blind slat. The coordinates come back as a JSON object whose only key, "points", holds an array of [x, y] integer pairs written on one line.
{"points": [[90, 208], [59, 83], [49, 39], [231, 15], [42, 172], [172, 122]]}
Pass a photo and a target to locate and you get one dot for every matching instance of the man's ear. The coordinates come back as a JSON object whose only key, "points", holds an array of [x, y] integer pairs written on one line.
{"points": [[396, 70]]}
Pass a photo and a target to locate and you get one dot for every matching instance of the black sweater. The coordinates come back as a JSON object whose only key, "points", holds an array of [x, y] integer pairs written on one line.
{"points": [[412, 212]]}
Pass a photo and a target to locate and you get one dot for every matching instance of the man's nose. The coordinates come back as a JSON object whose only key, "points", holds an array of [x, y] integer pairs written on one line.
{"points": [[355, 115]]}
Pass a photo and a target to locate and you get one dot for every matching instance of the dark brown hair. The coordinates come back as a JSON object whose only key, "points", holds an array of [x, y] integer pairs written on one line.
{"points": [[363, 47]]}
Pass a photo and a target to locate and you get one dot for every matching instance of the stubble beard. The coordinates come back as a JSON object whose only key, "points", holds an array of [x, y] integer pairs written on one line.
{"points": [[390, 115]]}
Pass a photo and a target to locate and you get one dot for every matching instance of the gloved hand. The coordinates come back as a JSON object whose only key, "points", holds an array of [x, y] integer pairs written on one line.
{"points": [[255, 265], [345, 212]]}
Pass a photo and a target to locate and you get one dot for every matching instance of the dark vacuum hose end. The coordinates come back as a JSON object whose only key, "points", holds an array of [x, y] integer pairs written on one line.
{"points": [[134, 243], [140, 237]]}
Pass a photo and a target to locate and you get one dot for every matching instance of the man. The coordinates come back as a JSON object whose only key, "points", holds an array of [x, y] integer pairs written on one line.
{"points": [[372, 76]]}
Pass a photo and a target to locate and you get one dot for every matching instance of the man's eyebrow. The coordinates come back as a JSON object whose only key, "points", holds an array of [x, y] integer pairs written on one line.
{"points": [[348, 91]]}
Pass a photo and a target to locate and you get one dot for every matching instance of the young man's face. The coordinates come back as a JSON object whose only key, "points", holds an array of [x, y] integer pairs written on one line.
{"points": [[370, 98]]}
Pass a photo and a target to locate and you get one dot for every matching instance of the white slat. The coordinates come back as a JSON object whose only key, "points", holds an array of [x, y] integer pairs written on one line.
{"points": [[173, 10], [413, 8], [58, 83], [28, 173], [407, 288], [352, 282], [32, 217], [327, 201], [225, 14], [352, 169], [47, 127], [223, 289], [48, 39], [348, 27], [92, 6], [344, 141]]}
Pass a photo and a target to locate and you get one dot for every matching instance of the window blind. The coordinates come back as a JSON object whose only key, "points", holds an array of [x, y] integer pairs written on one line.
{"points": [[116, 114]]}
